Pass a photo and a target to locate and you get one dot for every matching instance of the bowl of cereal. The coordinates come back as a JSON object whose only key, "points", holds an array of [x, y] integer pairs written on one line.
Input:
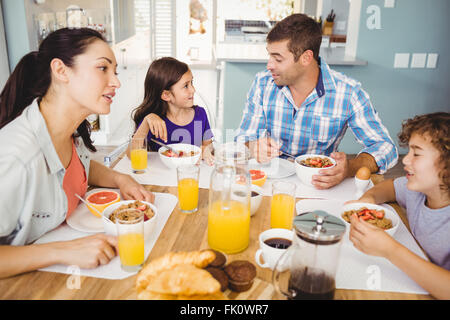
{"points": [[308, 165], [112, 212], [380, 216], [188, 154]]}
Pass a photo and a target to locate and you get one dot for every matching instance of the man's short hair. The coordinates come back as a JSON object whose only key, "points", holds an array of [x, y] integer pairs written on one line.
{"points": [[303, 33]]}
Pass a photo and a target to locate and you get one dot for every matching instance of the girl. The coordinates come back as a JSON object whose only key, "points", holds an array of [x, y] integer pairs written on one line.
{"points": [[168, 113], [45, 143], [425, 193]]}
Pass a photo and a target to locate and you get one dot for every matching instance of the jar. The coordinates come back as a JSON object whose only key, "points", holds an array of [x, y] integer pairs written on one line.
{"points": [[229, 199], [311, 261]]}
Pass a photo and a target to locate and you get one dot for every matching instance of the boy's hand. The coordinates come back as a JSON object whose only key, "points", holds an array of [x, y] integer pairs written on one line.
{"points": [[370, 239]]}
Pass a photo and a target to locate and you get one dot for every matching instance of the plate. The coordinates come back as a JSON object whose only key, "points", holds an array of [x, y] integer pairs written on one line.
{"points": [[83, 220], [277, 168]]}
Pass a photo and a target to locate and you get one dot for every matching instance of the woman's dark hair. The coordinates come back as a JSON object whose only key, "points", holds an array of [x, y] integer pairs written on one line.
{"points": [[437, 127], [303, 33], [31, 77], [162, 74]]}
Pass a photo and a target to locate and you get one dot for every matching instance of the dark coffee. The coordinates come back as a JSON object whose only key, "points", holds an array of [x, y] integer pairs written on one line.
{"points": [[254, 194], [308, 284], [278, 243]]}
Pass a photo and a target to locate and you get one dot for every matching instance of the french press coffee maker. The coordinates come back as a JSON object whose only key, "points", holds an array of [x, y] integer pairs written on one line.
{"points": [[312, 260]]}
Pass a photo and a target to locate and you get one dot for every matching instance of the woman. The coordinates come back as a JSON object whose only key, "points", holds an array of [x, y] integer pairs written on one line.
{"points": [[45, 142]]}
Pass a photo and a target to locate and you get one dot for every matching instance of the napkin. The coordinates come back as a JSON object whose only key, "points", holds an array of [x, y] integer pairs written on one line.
{"points": [[164, 202], [157, 173], [359, 271]]}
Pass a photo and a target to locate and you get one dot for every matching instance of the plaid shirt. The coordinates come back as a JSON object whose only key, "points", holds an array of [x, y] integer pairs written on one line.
{"points": [[319, 124]]}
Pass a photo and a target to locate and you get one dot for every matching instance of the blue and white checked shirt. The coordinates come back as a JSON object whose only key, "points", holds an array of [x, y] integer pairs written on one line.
{"points": [[319, 124]]}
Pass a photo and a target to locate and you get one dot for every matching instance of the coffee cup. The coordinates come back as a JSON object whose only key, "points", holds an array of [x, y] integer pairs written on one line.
{"points": [[272, 244]]}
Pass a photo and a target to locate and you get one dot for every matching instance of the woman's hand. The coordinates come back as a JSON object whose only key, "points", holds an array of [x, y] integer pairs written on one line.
{"points": [[88, 252], [370, 239], [132, 190], [157, 126]]}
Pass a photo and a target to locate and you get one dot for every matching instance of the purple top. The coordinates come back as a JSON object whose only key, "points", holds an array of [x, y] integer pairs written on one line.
{"points": [[194, 132]]}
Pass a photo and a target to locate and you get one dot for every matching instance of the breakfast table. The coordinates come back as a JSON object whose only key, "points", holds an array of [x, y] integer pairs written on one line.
{"points": [[181, 232]]}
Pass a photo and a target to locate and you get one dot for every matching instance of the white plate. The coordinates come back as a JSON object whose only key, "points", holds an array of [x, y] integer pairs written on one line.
{"points": [[277, 168], [83, 220]]}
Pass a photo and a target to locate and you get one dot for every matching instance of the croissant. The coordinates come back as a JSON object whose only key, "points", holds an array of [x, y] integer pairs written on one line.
{"points": [[199, 259], [185, 280]]}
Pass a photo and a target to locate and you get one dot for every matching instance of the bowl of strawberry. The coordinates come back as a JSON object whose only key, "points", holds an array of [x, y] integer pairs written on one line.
{"points": [[382, 217], [112, 212], [308, 165]]}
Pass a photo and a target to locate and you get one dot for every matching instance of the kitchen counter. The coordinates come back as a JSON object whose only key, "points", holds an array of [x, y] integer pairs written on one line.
{"points": [[257, 53]]}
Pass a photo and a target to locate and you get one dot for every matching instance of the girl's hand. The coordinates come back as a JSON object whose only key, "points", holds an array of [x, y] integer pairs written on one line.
{"points": [[370, 239], [157, 126], [132, 190], [87, 252], [207, 154]]}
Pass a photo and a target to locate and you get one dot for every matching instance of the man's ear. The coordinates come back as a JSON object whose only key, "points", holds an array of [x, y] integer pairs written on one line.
{"points": [[59, 70], [166, 95], [307, 57]]}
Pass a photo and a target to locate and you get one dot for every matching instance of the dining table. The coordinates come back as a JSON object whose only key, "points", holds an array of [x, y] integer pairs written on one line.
{"points": [[181, 232]]}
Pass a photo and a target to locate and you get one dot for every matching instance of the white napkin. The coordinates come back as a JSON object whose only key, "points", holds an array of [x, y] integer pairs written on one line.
{"points": [[358, 271], [164, 202], [157, 173]]}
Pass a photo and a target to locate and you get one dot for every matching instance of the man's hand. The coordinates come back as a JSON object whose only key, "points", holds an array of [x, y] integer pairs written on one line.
{"points": [[264, 149], [328, 178]]}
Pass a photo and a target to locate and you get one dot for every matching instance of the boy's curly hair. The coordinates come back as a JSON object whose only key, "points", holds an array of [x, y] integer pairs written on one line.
{"points": [[437, 127]]}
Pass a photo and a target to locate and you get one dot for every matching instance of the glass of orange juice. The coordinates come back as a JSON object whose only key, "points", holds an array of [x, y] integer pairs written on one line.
{"points": [[283, 205], [138, 154], [130, 232], [187, 177]]}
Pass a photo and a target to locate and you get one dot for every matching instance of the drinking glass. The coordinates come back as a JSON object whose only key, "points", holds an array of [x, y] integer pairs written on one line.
{"points": [[130, 232], [138, 154], [283, 205], [187, 177]]}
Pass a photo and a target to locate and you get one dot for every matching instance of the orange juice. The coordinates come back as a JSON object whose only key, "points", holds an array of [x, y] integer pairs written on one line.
{"points": [[188, 194], [138, 159], [282, 211], [131, 249], [228, 229]]}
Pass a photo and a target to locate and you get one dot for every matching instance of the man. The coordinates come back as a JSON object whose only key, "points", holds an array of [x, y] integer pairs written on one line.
{"points": [[299, 105]]}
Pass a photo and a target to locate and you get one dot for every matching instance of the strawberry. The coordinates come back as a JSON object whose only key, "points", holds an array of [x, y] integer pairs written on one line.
{"points": [[379, 214], [142, 208]]}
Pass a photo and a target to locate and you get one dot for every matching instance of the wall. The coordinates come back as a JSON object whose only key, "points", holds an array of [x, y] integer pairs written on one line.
{"points": [[4, 64], [412, 26], [15, 30], [20, 28]]}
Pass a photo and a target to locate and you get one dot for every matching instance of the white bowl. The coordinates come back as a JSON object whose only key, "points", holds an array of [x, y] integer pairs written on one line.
{"points": [[388, 213], [255, 201], [305, 173], [110, 227], [173, 162]]}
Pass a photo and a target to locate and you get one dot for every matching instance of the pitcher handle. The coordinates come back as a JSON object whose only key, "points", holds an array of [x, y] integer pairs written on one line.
{"points": [[280, 267]]}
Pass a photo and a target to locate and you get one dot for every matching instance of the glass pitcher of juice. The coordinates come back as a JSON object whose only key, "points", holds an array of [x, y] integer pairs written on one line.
{"points": [[229, 199]]}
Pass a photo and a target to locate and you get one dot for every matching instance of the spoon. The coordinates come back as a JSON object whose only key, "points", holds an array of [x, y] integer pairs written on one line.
{"points": [[164, 145]]}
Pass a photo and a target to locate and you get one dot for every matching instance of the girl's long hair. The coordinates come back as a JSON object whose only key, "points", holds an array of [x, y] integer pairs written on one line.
{"points": [[31, 77], [162, 74]]}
